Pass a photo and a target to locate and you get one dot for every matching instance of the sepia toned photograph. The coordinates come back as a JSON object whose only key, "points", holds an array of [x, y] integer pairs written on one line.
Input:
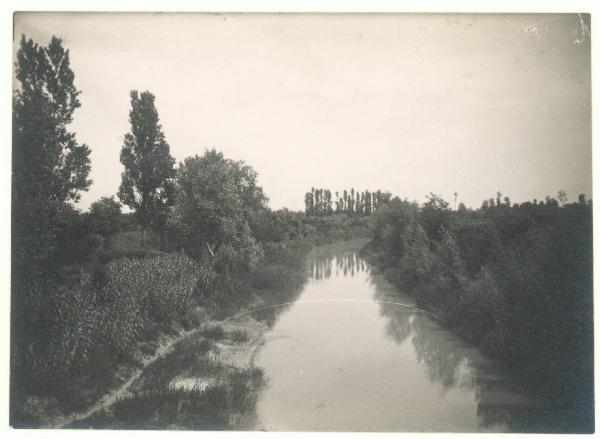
{"points": [[314, 222]]}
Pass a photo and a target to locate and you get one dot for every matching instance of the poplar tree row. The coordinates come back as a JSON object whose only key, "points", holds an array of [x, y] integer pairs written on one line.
{"points": [[319, 202]]}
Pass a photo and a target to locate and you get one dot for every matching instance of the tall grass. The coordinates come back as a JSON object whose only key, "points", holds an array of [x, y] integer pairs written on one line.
{"points": [[97, 322]]}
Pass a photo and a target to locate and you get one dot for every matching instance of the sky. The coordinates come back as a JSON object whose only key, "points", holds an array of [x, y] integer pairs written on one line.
{"points": [[410, 103]]}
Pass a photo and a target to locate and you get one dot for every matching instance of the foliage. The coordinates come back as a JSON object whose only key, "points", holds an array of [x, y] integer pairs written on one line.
{"points": [[105, 216], [50, 168], [516, 280], [147, 181], [217, 198], [103, 320], [318, 202]]}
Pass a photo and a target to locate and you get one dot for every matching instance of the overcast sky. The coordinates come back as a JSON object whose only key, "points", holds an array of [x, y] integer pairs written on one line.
{"points": [[407, 103]]}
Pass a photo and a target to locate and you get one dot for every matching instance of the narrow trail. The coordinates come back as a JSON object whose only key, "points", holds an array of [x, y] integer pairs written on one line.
{"points": [[111, 397], [115, 394]]}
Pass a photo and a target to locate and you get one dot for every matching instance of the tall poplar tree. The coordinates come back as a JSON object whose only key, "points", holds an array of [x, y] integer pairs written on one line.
{"points": [[49, 166], [49, 169], [147, 183]]}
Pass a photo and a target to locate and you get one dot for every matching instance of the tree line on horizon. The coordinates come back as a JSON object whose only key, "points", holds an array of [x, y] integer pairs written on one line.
{"points": [[319, 202]]}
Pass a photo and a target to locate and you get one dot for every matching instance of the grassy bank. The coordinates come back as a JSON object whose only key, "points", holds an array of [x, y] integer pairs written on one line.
{"points": [[117, 317], [206, 381]]}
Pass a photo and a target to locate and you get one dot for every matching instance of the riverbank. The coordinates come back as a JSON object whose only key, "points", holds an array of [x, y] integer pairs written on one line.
{"points": [[515, 281], [85, 395], [198, 370], [353, 353], [204, 380]]}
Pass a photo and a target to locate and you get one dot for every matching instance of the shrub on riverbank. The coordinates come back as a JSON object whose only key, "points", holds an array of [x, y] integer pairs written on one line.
{"points": [[516, 280], [96, 324]]}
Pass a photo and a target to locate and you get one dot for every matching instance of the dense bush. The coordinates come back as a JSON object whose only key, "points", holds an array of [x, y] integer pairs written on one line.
{"points": [[109, 316], [516, 280]]}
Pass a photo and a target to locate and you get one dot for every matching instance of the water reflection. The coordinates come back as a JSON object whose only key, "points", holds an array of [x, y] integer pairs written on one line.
{"points": [[345, 264], [444, 364], [353, 354], [452, 363]]}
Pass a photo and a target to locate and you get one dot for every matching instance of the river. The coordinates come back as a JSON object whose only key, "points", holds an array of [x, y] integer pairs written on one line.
{"points": [[353, 353]]}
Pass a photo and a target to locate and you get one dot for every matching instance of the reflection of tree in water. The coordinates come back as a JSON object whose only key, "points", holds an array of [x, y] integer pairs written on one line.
{"points": [[319, 268], [442, 364], [497, 403], [345, 264], [279, 302]]}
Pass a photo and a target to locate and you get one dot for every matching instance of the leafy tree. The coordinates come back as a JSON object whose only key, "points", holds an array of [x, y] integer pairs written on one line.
{"points": [[345, 203], [50, 169], [309, 204], [351, 201], [49, 166], [562, 197], [147, 181], [368, 206], [105, 215], [435, 214], [217, 199], [76, 237], [327, 202], [359, 203]]}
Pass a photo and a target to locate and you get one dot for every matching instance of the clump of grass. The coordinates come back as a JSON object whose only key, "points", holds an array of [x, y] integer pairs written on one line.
{"points": [[215, 332], [160, 407], [186, 355], [238, 336]]}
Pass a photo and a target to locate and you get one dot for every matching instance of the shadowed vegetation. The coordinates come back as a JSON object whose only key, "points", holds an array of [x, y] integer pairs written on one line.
{"points": [[515, 280]]}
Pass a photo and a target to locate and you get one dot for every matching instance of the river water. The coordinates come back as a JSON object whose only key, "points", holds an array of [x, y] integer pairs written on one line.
{"points": [[352, 353]]}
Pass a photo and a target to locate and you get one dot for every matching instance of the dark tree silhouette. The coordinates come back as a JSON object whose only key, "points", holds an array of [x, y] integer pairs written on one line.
{"points": [[105, 217], [147, 181], [309, 203], [50, 168]]}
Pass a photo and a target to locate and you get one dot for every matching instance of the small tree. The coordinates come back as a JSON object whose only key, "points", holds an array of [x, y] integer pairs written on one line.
{"points": [[105, 215], [309, 204], [368, 205], [147, 182], [562, 197], [345, 202]]}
